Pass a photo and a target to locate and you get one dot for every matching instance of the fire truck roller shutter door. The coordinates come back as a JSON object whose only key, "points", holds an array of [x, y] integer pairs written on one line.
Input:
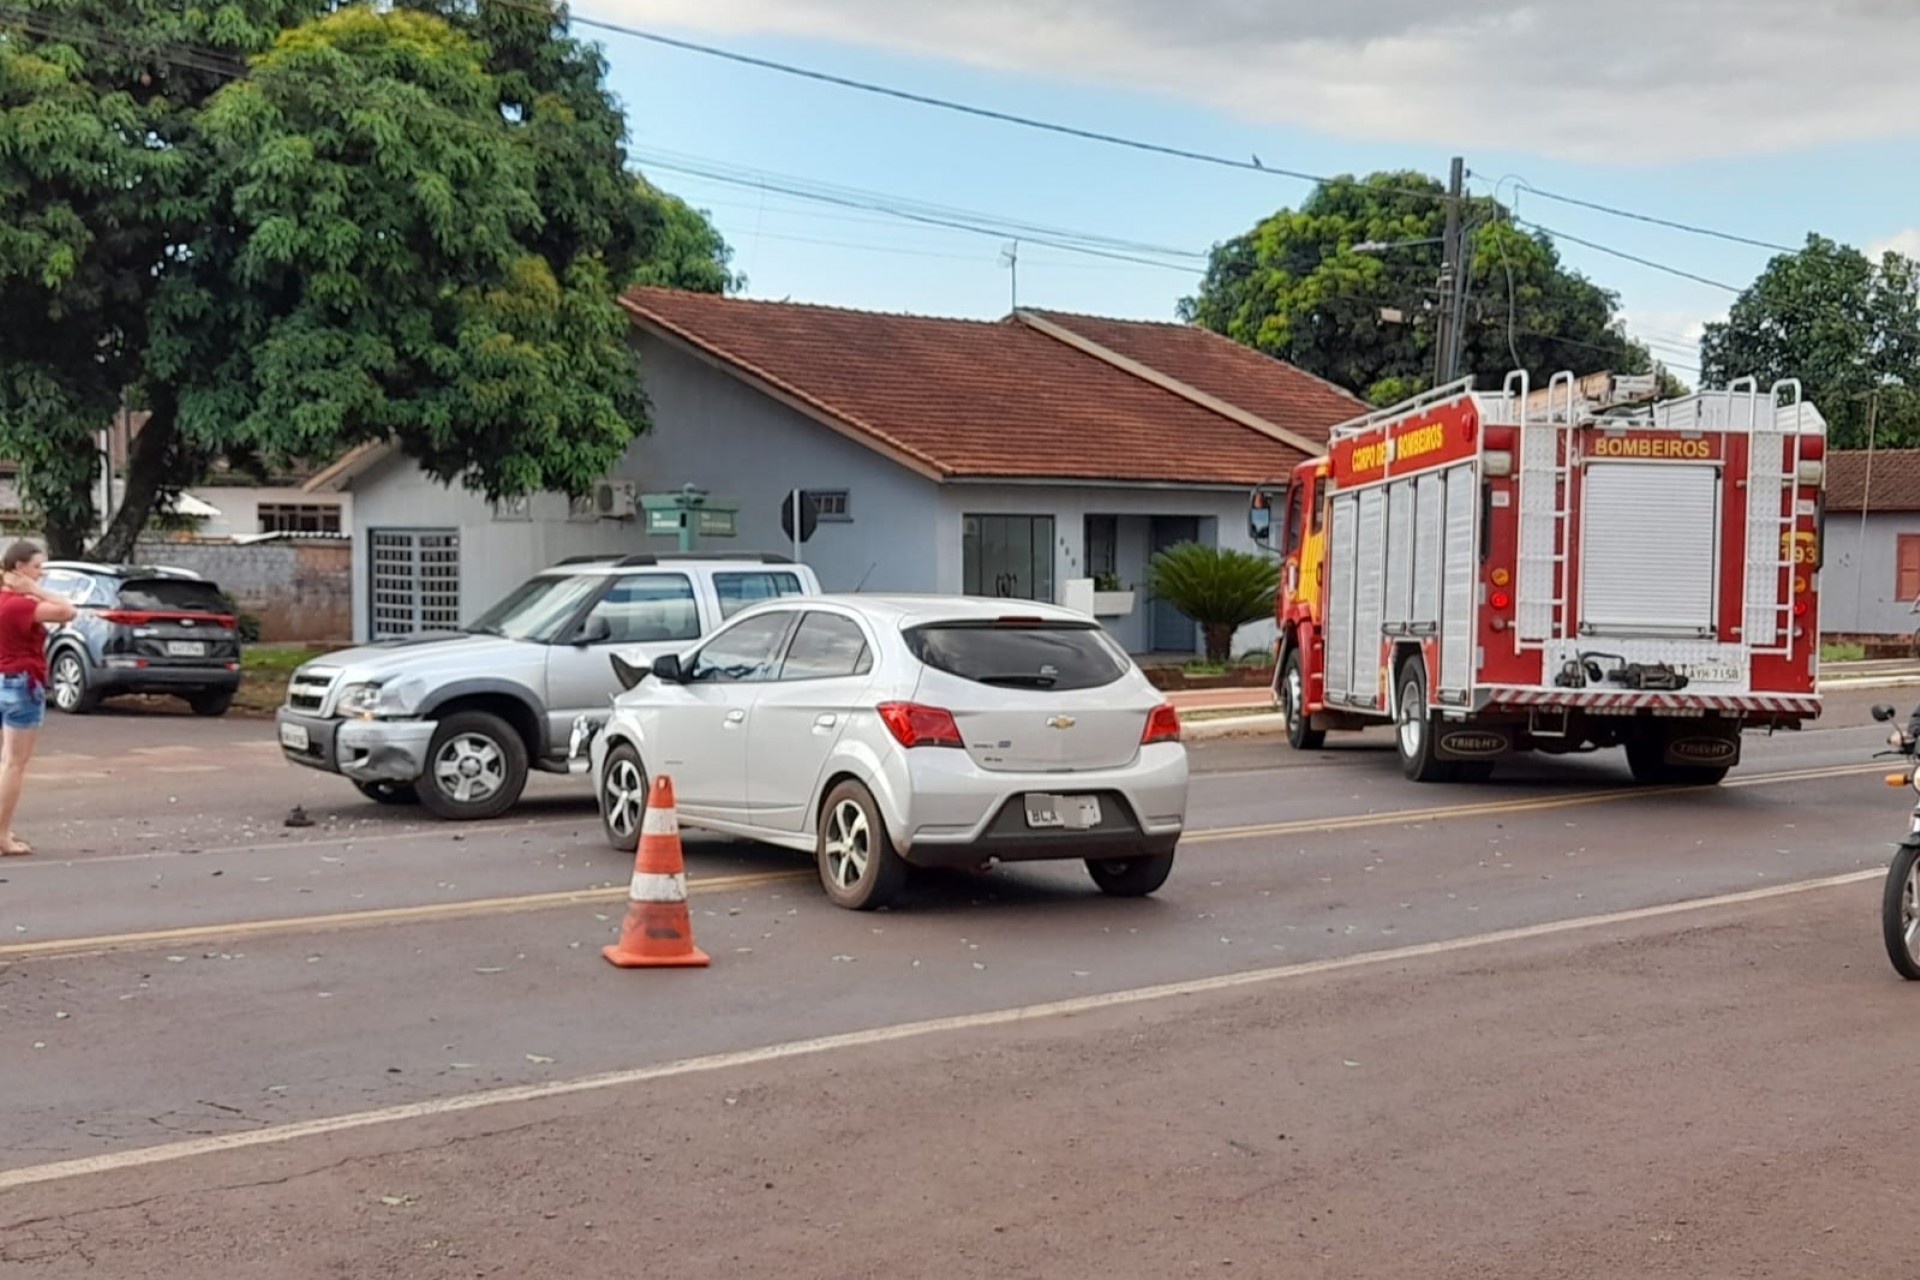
{"points": [[1633, 518]]}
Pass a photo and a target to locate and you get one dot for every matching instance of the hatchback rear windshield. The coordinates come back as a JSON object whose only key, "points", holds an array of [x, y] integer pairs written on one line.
{"points": [[171, 595], [1058, 656]]}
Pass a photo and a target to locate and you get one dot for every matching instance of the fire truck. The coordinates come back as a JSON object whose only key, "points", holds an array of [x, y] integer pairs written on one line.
{"points": [[1564, 569]]}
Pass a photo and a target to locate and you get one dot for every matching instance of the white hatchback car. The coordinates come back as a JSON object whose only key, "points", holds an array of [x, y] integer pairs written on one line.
{"points": [[877, 731]]}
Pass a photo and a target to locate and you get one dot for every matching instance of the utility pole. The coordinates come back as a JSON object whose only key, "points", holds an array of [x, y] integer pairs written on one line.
{"points": [[1446, 331], [1866, 504]]}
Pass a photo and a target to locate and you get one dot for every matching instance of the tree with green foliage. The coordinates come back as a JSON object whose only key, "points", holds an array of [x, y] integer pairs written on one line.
{"points": [[286, 228], [1295, 288], [1220, 589], [1847, 327]]}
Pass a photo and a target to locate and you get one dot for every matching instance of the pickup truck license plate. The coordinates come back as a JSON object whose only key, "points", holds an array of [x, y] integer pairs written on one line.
{"points": [[1070, 813], [294, 737], [186, 648]]}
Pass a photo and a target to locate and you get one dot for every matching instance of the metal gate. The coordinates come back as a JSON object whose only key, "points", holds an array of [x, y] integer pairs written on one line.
{"points": [[415, 581]]}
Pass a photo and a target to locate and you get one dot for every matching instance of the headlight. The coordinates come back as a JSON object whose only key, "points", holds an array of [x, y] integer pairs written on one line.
{"points": [[374, 701]]}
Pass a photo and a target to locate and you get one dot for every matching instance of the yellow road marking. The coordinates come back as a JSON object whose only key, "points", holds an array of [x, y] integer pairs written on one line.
{"points": [[575, 897], [275, 1135], [361, 919]]}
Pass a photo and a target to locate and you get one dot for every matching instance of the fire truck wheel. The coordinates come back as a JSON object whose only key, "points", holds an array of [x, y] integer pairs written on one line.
{"points": [[1413, 729], [1293, 702], [1646, 756]]}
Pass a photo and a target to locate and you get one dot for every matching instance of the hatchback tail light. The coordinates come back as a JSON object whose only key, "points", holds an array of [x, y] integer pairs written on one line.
{"points": [[913, 725], [1163, 725]]}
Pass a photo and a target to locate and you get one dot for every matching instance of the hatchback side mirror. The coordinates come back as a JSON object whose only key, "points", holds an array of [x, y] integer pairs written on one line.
{"points": [[666, 668]]}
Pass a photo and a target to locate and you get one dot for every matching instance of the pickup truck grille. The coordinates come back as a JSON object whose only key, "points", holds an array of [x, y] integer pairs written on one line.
{"points": [[307, 691]]}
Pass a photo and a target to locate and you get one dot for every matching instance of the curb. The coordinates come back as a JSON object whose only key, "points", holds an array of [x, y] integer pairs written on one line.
{"points": [[1250, 726]]}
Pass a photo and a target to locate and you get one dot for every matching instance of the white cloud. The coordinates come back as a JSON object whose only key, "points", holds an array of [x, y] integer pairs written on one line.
{"points": [[1625, 82], [1906, 243]]}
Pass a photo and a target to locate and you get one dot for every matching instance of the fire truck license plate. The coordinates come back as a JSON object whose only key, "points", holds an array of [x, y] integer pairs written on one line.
{"points": [[1712, 673]]}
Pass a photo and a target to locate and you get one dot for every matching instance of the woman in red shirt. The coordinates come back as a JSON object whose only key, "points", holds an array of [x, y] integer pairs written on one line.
{"points": [[25, 610]]}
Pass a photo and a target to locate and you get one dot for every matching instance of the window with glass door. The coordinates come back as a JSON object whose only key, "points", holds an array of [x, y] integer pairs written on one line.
{"points": [[1007, 557]]}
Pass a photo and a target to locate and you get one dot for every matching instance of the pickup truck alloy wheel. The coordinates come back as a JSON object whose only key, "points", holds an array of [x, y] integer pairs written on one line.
{"points": [[476, 767], [623, 798], [858, 865]]}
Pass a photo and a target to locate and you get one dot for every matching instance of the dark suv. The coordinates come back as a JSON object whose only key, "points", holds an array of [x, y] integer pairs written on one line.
{"points": [[141, 629]]}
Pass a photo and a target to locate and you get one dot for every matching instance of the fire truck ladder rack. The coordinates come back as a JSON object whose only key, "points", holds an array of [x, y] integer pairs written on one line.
{"points": [[1545, 470], [1451, 391]]}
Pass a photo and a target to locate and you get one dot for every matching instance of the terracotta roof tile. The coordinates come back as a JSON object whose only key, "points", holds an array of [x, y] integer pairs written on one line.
{"points": [[965, 398], [1279, 392], [1895, 480]]}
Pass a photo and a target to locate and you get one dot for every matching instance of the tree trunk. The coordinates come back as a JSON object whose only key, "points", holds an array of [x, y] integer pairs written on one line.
{"points": [[1219, 641], [148, 466], [66, 536]]}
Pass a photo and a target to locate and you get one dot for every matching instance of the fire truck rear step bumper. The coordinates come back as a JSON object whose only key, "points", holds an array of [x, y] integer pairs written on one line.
{"points": [[1761, 703]]}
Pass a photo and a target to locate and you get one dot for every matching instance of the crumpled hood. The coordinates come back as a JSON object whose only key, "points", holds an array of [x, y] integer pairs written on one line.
{"points": [[442, 654]]}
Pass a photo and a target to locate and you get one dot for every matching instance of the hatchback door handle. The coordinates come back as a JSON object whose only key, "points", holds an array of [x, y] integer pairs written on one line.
{"points": [[826, 721], [736, 716]]}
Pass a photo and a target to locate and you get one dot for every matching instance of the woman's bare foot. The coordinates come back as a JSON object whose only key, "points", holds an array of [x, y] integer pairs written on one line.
{"points": [[15, 847]]}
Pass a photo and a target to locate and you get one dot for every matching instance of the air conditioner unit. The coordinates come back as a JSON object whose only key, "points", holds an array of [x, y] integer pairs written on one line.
{"points": [[616, 499]]}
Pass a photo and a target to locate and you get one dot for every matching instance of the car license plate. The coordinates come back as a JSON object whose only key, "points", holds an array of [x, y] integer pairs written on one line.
{"points": [[1070, 813], [187, 648], [294, 737], [1712, 673]]}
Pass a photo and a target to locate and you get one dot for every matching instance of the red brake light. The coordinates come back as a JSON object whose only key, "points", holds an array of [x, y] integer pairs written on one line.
{"points": [[1800, 607], [913, 725], [1163, 725], [1500, 599]]}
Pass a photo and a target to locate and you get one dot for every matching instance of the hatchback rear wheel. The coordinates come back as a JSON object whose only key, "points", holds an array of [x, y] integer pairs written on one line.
{"points": [[1130, 877], [859, 867]]}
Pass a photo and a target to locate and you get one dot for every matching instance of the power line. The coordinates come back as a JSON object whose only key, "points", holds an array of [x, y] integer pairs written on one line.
{"points": [[1621, 253], [1521, 185], [977, 224]]}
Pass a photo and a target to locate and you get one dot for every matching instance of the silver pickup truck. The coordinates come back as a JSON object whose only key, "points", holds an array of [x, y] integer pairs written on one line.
{"points": [[457, 719]]}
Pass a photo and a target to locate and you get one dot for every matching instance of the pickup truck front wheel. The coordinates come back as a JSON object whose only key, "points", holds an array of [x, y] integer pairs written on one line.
{"points": [[476, 768]]}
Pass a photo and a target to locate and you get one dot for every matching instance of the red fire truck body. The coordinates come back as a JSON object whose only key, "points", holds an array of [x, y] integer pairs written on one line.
{"points": [[1540, 571]]}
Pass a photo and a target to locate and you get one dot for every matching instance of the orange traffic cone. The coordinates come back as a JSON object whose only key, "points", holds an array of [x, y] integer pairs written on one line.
{"points": [[657, 933]]}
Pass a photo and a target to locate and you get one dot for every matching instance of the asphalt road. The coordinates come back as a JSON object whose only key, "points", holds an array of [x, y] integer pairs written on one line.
{"points": [[1368, 1028]]}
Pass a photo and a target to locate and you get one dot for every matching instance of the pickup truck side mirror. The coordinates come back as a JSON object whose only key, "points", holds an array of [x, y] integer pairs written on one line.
{"points": [[666, 669], [596, 630]]}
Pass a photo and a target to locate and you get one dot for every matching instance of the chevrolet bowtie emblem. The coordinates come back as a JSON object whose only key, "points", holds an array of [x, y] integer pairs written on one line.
{"points": [[1060, 722]]}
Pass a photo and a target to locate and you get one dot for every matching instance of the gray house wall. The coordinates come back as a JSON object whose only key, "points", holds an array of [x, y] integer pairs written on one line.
{"points": [[1858, 582], [904, 531]]}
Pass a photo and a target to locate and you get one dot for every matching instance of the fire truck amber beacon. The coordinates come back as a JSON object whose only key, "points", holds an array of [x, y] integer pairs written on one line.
{"points": [[1569, 568]]}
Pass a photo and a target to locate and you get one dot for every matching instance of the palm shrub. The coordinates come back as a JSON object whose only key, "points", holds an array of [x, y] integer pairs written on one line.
{"points": [[1221, 589]]}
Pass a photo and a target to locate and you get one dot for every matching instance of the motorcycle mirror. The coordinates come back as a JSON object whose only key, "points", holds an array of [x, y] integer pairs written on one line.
{"points": [[1882, 711]]}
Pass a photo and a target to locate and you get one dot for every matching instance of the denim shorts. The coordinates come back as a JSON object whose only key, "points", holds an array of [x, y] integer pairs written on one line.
{"points": [[23, 701]]}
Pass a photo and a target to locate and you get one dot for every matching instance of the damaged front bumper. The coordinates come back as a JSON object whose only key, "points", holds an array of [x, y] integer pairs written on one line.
{"points": [[363, 750]]}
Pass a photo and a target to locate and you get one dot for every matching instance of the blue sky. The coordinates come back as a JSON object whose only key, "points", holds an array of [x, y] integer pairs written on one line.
{"points": [[1842, 171]]}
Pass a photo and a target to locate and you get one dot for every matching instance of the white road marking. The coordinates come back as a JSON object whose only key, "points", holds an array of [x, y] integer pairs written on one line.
{"points": [[278, 1134]]}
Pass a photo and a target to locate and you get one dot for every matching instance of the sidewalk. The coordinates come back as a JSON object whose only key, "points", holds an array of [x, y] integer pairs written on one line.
{"points": [[1221, 699]]}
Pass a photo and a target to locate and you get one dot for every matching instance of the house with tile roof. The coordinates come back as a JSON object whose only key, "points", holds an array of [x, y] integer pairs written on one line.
{"points": [[1020, 458], [1870, 576]]}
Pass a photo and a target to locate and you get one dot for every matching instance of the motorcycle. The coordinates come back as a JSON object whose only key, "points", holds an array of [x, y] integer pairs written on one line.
{"points": [[1900, 902]]}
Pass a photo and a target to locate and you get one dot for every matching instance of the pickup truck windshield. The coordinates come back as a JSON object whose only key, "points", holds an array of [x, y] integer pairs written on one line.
{"points": [[538, 609]]}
